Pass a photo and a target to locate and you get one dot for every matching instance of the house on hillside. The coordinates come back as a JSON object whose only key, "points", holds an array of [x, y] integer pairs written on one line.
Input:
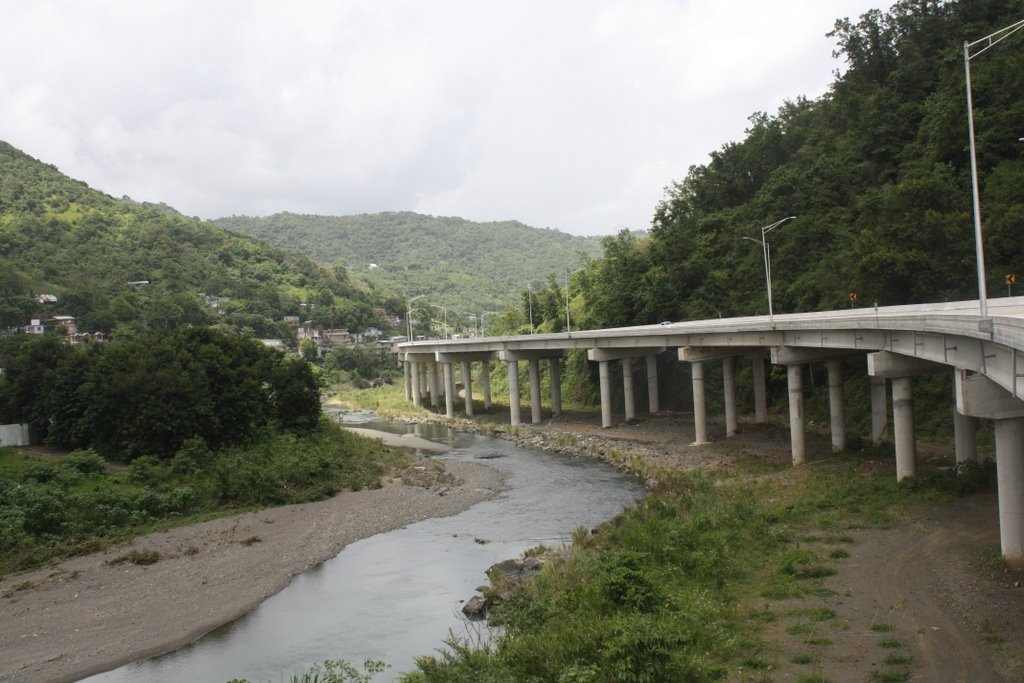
{"points": [[46, 298]]}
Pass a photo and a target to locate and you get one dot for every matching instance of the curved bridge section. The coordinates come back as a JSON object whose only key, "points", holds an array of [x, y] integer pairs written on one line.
{"points": [[986, 357]]}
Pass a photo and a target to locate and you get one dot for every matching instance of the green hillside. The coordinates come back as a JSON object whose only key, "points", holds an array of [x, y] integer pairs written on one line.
{"points": [[94, 252], [458, 263]]}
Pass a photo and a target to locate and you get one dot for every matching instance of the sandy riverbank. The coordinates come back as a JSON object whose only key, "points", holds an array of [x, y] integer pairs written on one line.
{"points": [[85, 615]]}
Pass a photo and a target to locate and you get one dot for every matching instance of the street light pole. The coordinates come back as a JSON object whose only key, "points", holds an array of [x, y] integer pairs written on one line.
{"points": [[445, 311], [483, 324], [568, 326], [408, 313], [979, 249], [766, 250]]}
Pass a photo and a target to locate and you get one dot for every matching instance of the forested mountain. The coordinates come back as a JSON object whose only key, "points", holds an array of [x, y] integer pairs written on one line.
{"points": [[58, 236], [876, 171], [458, 263]]}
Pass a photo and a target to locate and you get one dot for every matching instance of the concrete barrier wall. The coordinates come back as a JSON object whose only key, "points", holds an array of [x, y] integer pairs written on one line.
{"points": [[14, 435]]}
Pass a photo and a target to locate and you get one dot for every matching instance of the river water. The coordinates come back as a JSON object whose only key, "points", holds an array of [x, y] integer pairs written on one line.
{"points": [[397, 595]]}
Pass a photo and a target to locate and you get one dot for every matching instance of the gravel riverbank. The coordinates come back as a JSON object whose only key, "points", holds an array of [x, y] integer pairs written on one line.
{"points": [[94, 613]]}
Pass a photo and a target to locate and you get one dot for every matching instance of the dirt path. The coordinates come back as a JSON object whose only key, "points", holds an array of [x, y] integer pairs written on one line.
{"points": [[94, 613]]}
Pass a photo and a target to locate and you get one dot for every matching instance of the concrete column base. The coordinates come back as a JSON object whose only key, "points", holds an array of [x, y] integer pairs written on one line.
{"points": [[652, 383], [467, 386], [836, 405], [535, 413], [556, 386], [485, 382], [760, 389], [627, 388], [966, 437], [879, 412], [903, 427], [416, 377], [513, 393], [1010, 477], [407, 380], [432, 385], [729, 393], [449, 390], [700, 415], [606, 393], [797, 433]]}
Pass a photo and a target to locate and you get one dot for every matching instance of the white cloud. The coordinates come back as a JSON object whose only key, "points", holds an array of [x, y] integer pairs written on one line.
{"points": [[571, 114]]}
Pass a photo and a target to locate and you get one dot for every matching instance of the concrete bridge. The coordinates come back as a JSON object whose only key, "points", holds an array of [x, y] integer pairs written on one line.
{"points": [[986, 357]]}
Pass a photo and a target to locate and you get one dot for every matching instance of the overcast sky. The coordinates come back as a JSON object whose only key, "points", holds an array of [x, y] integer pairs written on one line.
{"points": [[569, 114]]}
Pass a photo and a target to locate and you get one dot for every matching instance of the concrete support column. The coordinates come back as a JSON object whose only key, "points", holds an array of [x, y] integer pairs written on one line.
{"points": [[903, 427], [435, 371], [467, 385], [606, 394], [652, 383], [700, 416], [795, 379], [513, 392], [760, 389], [1009, 434], [879, 411], [966, 437], [449, 390], [836, 404], [556, 387], [414, 372], [407, 380], [729, 392], [432, 385], [535, 391], [627, 388], [485, 382], [425, 369]]}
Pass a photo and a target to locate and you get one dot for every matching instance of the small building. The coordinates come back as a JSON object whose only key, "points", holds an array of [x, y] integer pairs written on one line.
{"points": [[46, 298], [35, 326], [68, 323]]}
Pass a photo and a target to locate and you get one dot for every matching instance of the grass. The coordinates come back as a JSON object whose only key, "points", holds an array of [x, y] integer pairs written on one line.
{"points": [[139, 557]]}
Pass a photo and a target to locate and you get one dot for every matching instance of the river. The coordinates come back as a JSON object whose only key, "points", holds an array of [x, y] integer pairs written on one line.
{"points": [[397, 595]]}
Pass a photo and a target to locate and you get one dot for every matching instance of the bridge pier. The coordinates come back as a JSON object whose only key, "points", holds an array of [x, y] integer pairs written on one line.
{"points": [[965, 436], [836, 404], [449, 390], [513, 393], [556, 386], [628, 397], [535, 406], [485, 382], [652, 383], [797, 429], [407, 380], [879, 411], [900, 370], [978, 396], [700, 415], [467, 384], [603, 356], [729, 394], [760, 388], [432, 384], [606, 393], [416, 395]]}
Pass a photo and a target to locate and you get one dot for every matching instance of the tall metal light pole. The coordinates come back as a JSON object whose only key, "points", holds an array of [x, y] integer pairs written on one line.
{"points": [[979, 249], [408, 313], [483, 324], [766, 250]]}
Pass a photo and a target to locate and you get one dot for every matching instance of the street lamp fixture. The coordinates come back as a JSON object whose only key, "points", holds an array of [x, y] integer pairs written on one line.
{"points": [[408, 314], [766, 250], [985, 43]]}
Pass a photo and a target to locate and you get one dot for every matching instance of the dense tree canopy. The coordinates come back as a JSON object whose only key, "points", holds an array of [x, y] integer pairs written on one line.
{"points": [[149, 394], [876, 171]]}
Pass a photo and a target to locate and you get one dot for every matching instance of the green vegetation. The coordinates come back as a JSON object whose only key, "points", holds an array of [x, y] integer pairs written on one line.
{"points": [[150, 394], [58, 236], [460, 264], [63, 506], [671, 590]]}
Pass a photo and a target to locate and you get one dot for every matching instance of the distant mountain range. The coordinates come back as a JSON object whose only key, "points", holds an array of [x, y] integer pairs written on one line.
{"points": [[457, 263]]}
